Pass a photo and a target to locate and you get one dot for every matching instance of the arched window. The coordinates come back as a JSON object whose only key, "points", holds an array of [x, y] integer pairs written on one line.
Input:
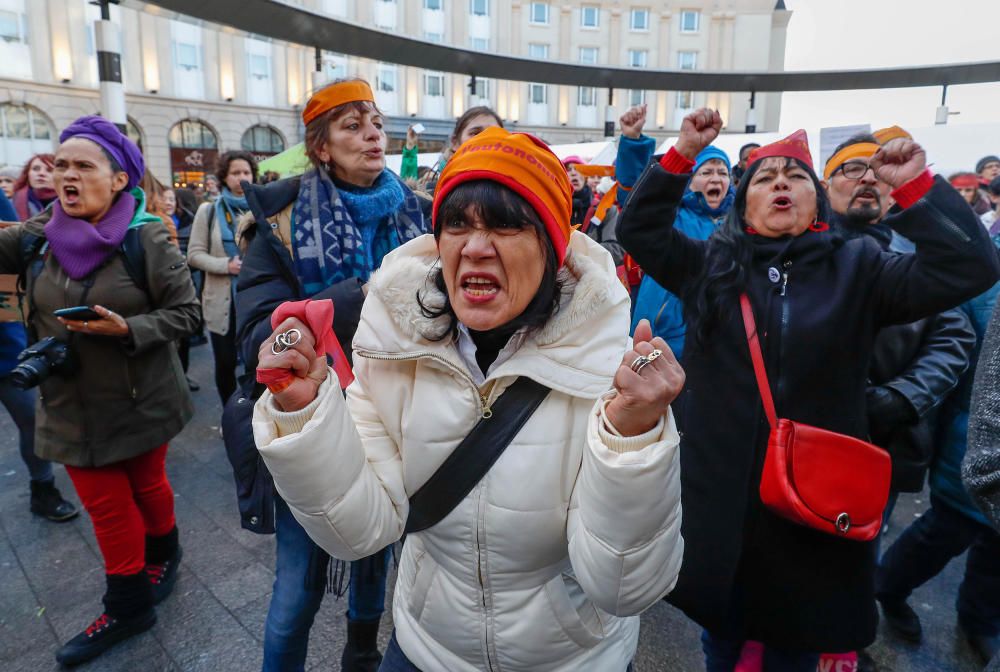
{"points": [[194, 152], [262, 141], [24, 132], [133, 132]]}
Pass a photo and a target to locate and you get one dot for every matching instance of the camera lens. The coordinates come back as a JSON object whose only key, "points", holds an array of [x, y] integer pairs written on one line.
{"points": [[29, 373]]}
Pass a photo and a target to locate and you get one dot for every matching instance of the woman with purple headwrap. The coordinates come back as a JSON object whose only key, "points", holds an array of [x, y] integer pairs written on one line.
{"points": [[112, 392]]}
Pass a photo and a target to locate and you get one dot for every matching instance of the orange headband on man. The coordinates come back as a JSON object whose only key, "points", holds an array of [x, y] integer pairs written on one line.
{"points": [[884, 135], [335, 95], [860, 150], [525, 165]]}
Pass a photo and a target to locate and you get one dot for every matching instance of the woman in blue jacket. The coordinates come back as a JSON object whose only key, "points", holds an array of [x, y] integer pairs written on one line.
{"points": [[708, 198]]}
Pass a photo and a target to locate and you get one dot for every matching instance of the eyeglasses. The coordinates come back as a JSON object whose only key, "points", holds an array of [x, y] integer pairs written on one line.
{"points": [[855, 170]]}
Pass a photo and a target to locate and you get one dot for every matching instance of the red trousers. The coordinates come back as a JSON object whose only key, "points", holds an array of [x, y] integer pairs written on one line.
{"points": [[126, 501]]}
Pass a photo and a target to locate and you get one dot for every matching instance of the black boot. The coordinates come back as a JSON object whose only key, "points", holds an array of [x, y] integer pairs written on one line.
{"points": [[128, 611], [361, 652], [47, 501], [163, 557], [901, 619]]}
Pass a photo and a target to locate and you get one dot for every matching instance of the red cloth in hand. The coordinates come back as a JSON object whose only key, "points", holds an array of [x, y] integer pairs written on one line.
{"points": [[318, 316]]}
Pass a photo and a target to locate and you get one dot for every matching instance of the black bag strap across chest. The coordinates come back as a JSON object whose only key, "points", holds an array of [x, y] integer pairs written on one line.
{"points": [[475, 455]]}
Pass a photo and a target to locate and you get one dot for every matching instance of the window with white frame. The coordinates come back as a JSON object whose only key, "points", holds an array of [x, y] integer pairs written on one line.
{"points": [[24, 132], [690, 19], [385, 14], [539, 13], [687, 60], [538, 94], [188, 61], [385, 78], [479, 43], [685, 100], [590, 16], [639, 19], [586, 96], [588, 55], [482, 88], [479, 7], [335, 7], [434, 37], [637, 58], [14, 23], [434, 85], [636, 97], [539, 52], [433, 4], [187, 56]]}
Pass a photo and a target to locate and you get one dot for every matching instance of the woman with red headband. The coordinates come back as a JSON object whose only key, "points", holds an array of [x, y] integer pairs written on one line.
{"points": [[782, 316], [317, 236], [499, 418]]}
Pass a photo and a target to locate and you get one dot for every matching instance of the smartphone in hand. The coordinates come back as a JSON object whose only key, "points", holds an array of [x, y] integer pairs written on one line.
{"points": [[78, 313]]}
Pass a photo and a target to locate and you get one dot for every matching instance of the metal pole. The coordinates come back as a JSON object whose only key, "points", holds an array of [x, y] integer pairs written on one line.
{"points": [[609, 114], [751, 126], [109, 66], [318, 76], [941, 114]]}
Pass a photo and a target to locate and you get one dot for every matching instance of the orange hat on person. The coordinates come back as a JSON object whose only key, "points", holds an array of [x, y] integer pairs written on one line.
{"points": [[795, 146], [525, 165], [884, 135]]}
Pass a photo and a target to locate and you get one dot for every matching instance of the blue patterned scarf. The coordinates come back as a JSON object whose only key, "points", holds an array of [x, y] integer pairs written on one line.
{"points": [[345, 233]]}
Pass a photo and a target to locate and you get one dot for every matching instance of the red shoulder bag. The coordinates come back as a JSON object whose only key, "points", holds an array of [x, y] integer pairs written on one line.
{"points": [[814, 477]]}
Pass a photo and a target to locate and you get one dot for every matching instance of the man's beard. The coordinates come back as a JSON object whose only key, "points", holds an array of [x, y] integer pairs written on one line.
{"points": [[865, 212]]}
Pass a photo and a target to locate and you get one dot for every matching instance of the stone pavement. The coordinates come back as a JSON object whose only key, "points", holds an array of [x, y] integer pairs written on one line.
{"points": [[51, 581]]}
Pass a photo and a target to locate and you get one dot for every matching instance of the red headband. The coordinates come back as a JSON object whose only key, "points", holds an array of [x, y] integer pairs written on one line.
{"points": [[795, 146]]}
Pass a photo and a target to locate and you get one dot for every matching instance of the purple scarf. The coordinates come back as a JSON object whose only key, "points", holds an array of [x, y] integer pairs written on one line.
{"points": [[79, 246]]}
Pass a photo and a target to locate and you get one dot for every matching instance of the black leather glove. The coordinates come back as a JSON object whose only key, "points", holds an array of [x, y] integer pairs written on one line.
{"points": [[888, 411]]}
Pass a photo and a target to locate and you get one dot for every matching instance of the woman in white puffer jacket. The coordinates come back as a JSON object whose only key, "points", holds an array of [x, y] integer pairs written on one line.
{"points": [[576, 528]]}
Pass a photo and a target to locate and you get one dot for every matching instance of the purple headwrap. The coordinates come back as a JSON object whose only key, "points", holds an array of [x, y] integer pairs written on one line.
{"points": [[104, 133]]}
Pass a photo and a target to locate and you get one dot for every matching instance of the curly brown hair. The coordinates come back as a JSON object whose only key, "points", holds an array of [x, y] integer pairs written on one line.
{"points": [[235, 155]]}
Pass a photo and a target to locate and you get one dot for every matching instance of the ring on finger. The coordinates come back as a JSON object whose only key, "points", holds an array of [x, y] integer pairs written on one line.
{"points": [[646, 361], [638, 363], [285, 340], [655, 354]]}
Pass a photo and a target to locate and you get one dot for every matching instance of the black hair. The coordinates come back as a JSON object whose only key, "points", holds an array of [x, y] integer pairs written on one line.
{"points": [[228, 158], [711, 298], [739, 155], [499, 208], [856, 139], [115, 166]]}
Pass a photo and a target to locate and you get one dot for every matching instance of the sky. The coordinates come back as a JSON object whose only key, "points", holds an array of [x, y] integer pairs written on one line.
{"points": [[858, 34]]}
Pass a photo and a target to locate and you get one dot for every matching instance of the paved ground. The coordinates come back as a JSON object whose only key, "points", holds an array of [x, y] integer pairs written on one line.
{"points": [[51, 581]]}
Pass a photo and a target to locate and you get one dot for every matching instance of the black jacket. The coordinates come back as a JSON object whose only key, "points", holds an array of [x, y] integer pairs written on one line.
{"points": [[914, 368], [747, 572], [267, 279]]}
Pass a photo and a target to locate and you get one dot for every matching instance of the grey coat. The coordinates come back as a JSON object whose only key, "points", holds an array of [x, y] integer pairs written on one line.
{"points": [[981, 468]]}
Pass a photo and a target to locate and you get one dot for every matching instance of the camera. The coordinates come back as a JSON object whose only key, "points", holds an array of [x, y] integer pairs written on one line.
{"points": [[40, 360]]}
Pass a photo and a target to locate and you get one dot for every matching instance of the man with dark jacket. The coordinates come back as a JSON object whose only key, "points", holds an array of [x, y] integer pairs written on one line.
{"points": [[914, 366]]}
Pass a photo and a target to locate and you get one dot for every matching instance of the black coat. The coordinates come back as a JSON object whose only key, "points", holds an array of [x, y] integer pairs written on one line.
{"points": [[920, 363], [747, 572]]}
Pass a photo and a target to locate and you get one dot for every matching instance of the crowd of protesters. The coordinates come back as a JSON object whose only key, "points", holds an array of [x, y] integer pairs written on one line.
{"points": [[570, 390]]}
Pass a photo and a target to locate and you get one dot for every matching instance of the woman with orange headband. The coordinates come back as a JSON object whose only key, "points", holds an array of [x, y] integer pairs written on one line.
{"points": [[317, 236], [500, 418]]}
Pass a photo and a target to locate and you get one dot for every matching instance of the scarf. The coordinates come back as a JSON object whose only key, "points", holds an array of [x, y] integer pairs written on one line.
{"points": [[228, 209], [28, 202], [346, 232], [81, 247]]}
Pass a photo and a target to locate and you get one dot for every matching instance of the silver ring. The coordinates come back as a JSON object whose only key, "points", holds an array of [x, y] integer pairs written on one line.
{"points": [[655, 354], [285, 340], [638, 363], [646, 361]]}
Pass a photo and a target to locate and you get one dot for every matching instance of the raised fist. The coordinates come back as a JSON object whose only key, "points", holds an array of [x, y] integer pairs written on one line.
{"points": [[698, 130]]}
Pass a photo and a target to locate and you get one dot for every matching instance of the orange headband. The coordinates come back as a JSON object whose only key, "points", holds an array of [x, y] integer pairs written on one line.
{"points": [[336, 95], [884, 135], [588, 170], [860, 150]]}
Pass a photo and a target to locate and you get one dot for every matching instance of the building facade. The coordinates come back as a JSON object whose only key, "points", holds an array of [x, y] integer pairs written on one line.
{"points": [[195, 89]]}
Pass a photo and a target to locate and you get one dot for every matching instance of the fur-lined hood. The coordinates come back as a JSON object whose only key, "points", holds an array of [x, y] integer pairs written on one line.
{"points": [[577, 352]]}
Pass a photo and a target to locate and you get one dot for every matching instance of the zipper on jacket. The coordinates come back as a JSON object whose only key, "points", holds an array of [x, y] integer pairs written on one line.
{"points": [[485, 411], [949, 223], [484, 598]]}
